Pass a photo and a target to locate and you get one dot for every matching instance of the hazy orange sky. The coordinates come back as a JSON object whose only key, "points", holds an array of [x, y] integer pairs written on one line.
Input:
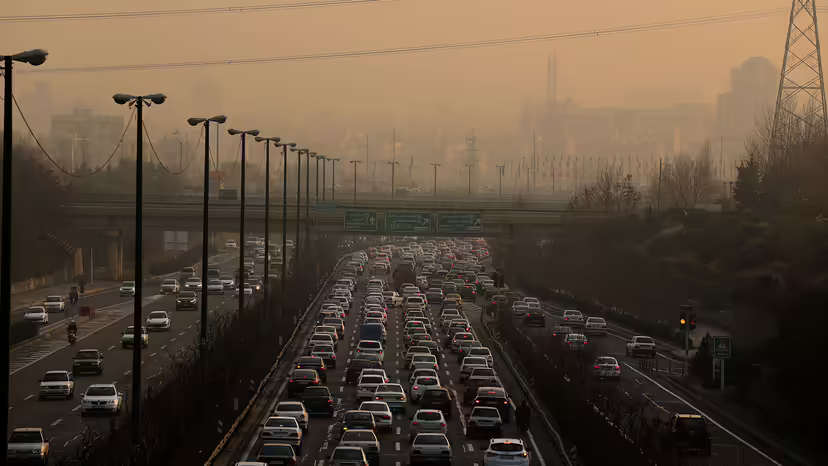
{"points": [[482, 88]]}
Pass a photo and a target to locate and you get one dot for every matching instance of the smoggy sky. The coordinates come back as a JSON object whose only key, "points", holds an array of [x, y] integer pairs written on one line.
{"points": [[460, 89]]}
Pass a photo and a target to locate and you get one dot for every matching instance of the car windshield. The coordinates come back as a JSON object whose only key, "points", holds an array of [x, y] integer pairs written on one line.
{"points": [[55, 377], [317, 391], [26, 437], [429, 416], [157, 315], [304, 374], [605, 361], [474, 361], [507, 447], [431, 440], [576, 337], [289, 407], [35, 310], [375, 407], [596, 320], [426, 381], [358, 437], [168, 282], [100, 391], [87, 355], [695, 424], [370, 345], [281, 451], [348, 454], [323, 349], [281, 422], [128, 284], [187, 294], [644, 340], [53, 299], [390, 388], [485, 412], [483, 372], [225, 278], [372, 379]]}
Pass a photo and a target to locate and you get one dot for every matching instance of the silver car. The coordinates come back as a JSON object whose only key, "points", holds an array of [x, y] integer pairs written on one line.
{"points": [[380, 411]]}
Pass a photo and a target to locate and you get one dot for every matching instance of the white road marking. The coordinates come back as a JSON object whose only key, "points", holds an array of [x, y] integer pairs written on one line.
{"points": [[471, 447], [28, 397], [341, 388], [397, 446], [182, 333], [163, 346], [111, 347], [127, 372], [398, 431], [447, 373], [172, 339], [56, 422], [153, 354], [76, 408]]}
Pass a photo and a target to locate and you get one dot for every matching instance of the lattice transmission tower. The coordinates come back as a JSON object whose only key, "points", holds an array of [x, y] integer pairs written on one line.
{"points": [[800, 112]]}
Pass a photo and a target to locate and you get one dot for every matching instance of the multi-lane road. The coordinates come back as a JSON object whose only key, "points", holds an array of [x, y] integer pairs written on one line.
{"points": [[61, 419]]}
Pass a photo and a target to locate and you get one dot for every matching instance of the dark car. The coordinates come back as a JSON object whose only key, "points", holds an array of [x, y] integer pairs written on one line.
{"points": [[468, 292], [472, 386], [256, 284], [277, 453], [494, 397], [318, 400], [186, 300], [355, 369], [434, 295], [88, 361], [316, 363], [357, 419], [534, 318], [437, 398], [301, 379], [688, 433]]}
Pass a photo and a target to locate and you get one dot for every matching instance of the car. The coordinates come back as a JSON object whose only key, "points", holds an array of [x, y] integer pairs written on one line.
{"points": [[606, 367], [294, 409], [57, 383], [246, 289], [427, 421], [595, 326], [365, 439], [301, 379], [285, 430], [437, 398], [356, 419], [494, 397], [534, 317], [430, 448], [420, 385], [424, 361], [169, 286], [380, 411], [88, 361], [158, 320], [316, 363], [230, 244], [348, 456], [324, 338], [101, 398], [367, 385], [432, 346], [128, 337], [482, 352], [484, 374], [27, 445], [468, 292], [484, 420], [688, 433], [318, 400], [355, 368], [54, 304], [519, 309], [193, 284], [186, 273], [458, 339], [337, 323], [255, 284], [215, 286], [573, 318], [370, 347], [186, 300], [506, 452], [469, 363], [393, 394], [276, 453], [36, 314], [530, 301], [326, 352], [228, 282], [575, 342], [127, 289], [465, 347]]}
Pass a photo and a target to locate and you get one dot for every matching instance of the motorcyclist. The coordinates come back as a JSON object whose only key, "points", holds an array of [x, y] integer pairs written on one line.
{"points": [[522, 414], [73, 295], [72, 327]]}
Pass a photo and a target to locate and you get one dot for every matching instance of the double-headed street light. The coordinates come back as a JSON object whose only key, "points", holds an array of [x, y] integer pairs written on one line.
{"points": [[333, 178], [138, 101], [324, 183], [393, 166], [34, 57], [298, 189], [500, 171], [435, 165], [242, 241], [205, 227], [267, 142], [470, 167], [316, 184], [355, 162], [284, 146]]}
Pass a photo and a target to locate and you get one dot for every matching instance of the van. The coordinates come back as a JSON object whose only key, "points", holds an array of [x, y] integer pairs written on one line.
{"points": [[375, 332]]}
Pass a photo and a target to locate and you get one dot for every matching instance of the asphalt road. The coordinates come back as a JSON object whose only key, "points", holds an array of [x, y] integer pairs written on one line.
{"points": [[321, 439], [61, 419], [650, 389]]}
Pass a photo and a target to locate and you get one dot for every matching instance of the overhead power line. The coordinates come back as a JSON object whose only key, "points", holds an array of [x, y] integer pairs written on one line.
{"points": [[645, 27], [152, 146], [182, 12]]}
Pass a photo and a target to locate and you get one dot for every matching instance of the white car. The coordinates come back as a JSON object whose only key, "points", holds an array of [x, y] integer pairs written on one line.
{"points": [[427, 421], [283, 429], [364, 439], [228, 282], [170, 286], [101, 398], [380, 411], [422, 373], [573, 318], [193, 283], [393, 394], [215, 287], [595, 326], [641, 344], [506, 452], [531, 301], [294, 409], [323, 338], [606, 367], [367, 385], [341, 456], [420, 385], [57, 383], [54, 304], [370, 347], [325, 352], [127, 289], [37, 314], [482, 352], [484, 420], [430, 446], [424, 361], [158, 320], [230, 244], [329, 329], [248, 290], [469, 364], [414, 351]]}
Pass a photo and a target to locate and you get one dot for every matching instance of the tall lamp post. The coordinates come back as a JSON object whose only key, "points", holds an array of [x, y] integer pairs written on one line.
{"points": [[137, 321], [242, 275], [35, 58], [284, 146], [267, 142], [333, 178], [205, 229], [435, 165], [298, 191], [308, 156], [393, 165], [470, 167], [316, 184], [324, 159], [500, 170], [355, 162]]}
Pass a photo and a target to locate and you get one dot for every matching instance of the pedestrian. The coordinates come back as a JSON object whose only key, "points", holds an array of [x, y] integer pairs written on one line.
{"points": [[522, 414]]}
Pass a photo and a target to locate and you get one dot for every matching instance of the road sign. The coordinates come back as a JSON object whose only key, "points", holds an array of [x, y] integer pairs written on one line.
{"points": [[459, 222], [407, 222], [721, 347], [360, 221]]}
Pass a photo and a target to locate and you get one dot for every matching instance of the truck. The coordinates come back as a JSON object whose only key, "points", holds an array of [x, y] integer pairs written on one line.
{"points": [[404, 273]]}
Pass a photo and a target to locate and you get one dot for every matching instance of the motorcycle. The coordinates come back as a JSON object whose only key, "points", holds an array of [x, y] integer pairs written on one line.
{"points": [[73, 337]]}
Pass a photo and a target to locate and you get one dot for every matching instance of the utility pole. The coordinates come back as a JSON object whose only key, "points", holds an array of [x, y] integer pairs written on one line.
{"points": [[658, 198], [333, 179], [393, 194], [355, 162], [500, 171], [470, 167], [534, 162], [435, 165]]}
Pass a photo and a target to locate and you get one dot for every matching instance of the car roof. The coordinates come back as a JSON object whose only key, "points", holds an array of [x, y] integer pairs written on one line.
{"points": [[28, 429]]}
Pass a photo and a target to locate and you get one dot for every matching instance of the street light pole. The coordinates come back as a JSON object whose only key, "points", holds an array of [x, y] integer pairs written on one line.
{"points": [[34, 58], [333, 178], [139, 102], [242, 241], [435, 165], [298, 192], [324, 159], [284, 147], [470, 167], [316, 183], [500, 169], [266, 285], [355, 162], [205, 233], [393, 165]]}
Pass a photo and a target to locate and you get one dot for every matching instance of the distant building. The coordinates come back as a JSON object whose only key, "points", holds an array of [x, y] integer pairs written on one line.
{"points": [[753, 88], [85, 137]]}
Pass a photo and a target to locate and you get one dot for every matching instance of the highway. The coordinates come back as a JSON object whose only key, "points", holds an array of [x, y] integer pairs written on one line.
{"points": [[322, 437], [61, 419]]}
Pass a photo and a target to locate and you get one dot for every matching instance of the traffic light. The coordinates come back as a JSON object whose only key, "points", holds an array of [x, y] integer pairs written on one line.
{"points": [[685, 310], [692, 322], [683, 320]]}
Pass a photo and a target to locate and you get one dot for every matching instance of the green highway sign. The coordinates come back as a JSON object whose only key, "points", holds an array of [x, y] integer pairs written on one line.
{"points": [[459, 222], [407, 222], [360, 221], [721, 347]]}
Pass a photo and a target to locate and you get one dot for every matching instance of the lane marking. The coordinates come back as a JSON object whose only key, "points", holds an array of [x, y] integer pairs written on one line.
{"points": [[127, 373], [56, 422], [397, 446], [163, 347], [76, 408], [28, 397], [535, 447], [110, 348], [153, 354]]}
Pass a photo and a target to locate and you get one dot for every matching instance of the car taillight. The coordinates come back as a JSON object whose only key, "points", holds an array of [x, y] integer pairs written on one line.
{"points": [[291, 380], [315, 382], [330, 401], [442, 424], [385, 416], [596, 367], [586, 342], [618, 368], [566, 318], [477, 401], [505, 402], [415, 423], [402, 398], [416, 387]]}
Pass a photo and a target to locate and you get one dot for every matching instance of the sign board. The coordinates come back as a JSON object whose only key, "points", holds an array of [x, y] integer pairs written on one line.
{"points": [[459, 222], [721, 347], [407, 222], [360, 221]]}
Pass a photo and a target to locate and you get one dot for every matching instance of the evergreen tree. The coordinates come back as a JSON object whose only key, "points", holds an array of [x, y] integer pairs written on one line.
{"points": [[747, 190]]}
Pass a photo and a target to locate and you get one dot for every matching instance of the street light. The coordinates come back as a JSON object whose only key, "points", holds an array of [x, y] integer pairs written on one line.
{"points": [[333, 178], [242, 241], [393, 164], [316, 184], [500, 170], [34, 57], [267, 142], [355, 162], [298, 190], [435, 165], [284, 146], [138, 101], [308, 156], [324, 159], [470, 167], [205, 227]]}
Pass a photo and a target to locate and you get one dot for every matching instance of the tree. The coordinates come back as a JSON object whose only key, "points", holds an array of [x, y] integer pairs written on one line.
{"points": [[746, 191]]}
